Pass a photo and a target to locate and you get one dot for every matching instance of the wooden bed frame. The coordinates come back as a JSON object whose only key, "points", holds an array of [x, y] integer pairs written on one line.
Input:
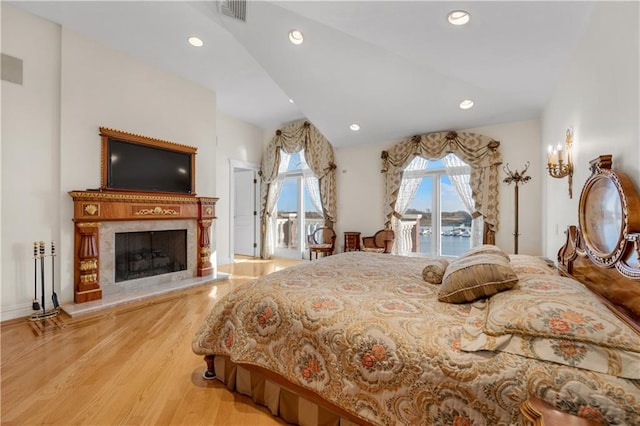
{"points": [[604, 254], [604, 261]]}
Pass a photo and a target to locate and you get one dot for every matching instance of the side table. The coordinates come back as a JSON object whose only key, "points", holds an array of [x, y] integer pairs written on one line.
{"points": [[352, 241]]}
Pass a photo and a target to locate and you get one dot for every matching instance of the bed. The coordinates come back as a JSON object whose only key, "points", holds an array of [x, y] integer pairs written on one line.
{"points": [[372, 338]]}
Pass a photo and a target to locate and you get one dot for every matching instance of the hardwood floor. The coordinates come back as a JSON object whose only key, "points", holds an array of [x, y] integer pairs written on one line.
{"points": [[131, 365]]}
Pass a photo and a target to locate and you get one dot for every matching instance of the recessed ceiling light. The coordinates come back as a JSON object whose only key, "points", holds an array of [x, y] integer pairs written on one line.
{"points": [[466, 104], [290, 100], [354, 127], [296, 37], [195, 41], [458, 17]]}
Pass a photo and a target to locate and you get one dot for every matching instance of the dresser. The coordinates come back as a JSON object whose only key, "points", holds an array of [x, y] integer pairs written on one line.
{"points": [[352, 241]]}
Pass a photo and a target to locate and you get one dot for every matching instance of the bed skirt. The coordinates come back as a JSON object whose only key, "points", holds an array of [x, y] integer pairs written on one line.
{"points": [[280, 400]]}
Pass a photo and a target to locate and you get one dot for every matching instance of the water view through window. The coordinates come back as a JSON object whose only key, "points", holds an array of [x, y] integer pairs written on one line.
{"points": [[437, 198], [445, 224]]}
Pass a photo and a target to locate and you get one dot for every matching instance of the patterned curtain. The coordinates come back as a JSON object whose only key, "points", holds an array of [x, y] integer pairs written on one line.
{"points": [[478, 151], [311, 184], [318, 154], [269, 224], [406, 194], [457, 171]]}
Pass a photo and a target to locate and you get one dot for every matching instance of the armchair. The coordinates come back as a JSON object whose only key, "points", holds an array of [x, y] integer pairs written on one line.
{"points": [[381, 242], [322, 240]]}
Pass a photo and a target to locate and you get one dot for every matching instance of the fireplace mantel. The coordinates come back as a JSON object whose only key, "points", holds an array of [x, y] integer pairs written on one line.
{"points": [[91, 208]]}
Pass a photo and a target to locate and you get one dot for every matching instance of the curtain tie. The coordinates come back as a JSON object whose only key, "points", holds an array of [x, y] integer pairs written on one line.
{"points": [[384, 156], [330, 167]]}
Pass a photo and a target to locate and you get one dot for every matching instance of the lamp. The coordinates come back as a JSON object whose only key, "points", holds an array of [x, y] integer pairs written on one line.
{"points": [[556, 164]]}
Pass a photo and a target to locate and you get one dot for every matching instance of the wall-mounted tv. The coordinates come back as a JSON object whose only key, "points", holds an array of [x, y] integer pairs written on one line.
{"points": [[137, 163]]}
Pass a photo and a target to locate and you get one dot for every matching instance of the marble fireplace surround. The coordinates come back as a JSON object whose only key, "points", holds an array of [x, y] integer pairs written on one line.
{"points": [[99, 215]]}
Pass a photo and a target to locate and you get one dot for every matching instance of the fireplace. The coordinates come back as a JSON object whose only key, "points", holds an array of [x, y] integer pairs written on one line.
{"points": [[100, 216], [149, 253]]}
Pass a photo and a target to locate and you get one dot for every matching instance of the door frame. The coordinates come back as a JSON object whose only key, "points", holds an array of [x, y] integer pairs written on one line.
{"points": [[238, 165]]}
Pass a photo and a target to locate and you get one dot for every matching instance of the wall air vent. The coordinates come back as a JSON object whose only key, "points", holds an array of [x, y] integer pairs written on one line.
{"points": [[236, 9]]}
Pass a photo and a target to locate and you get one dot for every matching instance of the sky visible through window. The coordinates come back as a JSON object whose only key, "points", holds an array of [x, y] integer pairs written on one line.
{"points": [[449, 199], [288, 201]]}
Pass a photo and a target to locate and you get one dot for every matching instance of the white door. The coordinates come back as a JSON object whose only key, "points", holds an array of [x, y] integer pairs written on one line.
{"points": [[245, 213]]}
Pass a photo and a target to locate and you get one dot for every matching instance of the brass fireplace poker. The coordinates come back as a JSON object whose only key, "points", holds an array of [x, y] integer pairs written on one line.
{"points": [[43, 313]]}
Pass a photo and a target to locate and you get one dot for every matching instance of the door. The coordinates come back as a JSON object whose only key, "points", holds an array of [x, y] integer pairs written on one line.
{"points": [[245, 213]]}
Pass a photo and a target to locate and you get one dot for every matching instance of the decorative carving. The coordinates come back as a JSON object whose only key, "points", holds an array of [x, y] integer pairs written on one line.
{"points": [[605, 228], [132, 197], [90, 209], [603, 252], [88, 265], [156, 211], [88, 224], [105, 131], [113, 205], [87, 286], [204, 247], [88, 278]]}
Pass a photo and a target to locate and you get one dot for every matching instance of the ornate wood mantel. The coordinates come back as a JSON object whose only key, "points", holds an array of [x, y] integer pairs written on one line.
{"points": [[91, 208]]}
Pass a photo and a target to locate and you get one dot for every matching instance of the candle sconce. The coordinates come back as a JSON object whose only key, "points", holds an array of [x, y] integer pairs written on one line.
{"points": [[557, 165]]}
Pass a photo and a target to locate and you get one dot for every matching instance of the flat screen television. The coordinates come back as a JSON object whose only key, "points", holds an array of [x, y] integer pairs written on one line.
{"points": [[137, 163]]}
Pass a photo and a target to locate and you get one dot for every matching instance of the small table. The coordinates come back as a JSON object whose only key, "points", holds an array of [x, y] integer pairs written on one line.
{"points": [[352, 241]]}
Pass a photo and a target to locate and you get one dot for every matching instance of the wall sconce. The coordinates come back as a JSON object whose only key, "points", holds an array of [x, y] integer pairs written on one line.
{"points": [[560, 166]]}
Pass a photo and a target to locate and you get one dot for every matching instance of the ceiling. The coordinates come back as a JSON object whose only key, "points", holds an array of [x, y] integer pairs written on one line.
{"points": [[396, 68]]}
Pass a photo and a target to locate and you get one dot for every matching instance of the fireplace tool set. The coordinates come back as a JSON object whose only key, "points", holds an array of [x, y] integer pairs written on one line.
{"points": [[39, 254]]}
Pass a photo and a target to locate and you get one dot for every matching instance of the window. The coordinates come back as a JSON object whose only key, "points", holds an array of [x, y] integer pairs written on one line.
{"points": [[445, 223], [298, 207]]}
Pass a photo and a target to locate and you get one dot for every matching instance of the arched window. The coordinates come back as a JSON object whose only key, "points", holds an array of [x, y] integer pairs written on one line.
{"points": [[317, 154], [479, 152]]}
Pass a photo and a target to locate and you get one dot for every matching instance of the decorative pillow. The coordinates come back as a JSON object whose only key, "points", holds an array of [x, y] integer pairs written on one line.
{"points": [[470, 278], [435, 269], [561, 308], [484, 249], [526, 264], [554, 319]]}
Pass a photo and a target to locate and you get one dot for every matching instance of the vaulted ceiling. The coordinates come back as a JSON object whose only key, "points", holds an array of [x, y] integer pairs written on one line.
{"points": [[396, 68]]}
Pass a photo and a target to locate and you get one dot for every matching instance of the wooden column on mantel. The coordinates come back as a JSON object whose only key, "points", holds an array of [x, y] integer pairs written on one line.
{"points": [[91, 208]]}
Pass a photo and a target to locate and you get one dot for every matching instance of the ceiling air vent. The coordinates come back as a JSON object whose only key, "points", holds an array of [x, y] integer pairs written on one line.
{"points": [[234, 8]]}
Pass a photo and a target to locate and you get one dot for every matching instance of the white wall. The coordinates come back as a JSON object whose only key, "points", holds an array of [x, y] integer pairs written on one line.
{"points": [[360, 186], [30, 143], [519, 144], [238, 142], [599, 97], [50, 141]]}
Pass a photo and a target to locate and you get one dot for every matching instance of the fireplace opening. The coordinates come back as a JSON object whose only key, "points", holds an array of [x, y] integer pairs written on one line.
{"points": [[145, 254]]}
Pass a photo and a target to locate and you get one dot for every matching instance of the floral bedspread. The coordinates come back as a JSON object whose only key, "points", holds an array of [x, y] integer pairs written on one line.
{"points": [[365, 332]]}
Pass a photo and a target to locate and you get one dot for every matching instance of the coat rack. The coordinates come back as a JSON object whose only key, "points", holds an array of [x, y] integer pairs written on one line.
{"points": [[518, 178]]}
